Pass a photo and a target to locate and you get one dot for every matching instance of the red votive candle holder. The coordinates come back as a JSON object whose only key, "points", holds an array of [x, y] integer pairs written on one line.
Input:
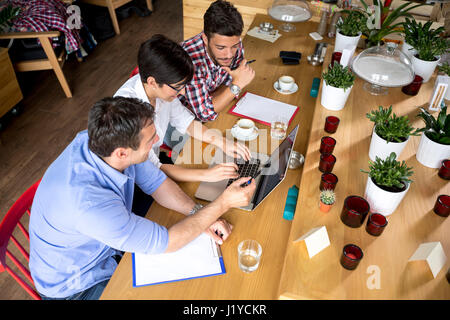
{"points": [[327, 162], [327, 145], [444, 171], [336, 56], [442, 205], [413, 88], [354, 211], [328, 181], [376, 224], [351, 256], [331, 124]]}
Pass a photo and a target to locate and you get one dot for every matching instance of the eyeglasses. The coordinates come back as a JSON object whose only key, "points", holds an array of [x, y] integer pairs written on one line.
{"points": [[177, 90]]}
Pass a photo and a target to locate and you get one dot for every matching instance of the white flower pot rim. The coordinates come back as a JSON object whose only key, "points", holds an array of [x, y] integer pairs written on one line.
{"points": [[404, 183], [358, 35], [436, 58], [442, 144], [375, 130], [345, 89]]}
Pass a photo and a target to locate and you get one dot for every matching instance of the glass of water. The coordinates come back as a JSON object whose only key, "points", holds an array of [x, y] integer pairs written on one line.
{"points": [[278, 127], [249, 254]]}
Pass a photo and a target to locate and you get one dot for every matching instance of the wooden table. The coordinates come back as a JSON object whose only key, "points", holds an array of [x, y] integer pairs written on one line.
{"points": [[265, 224], [385, 257]]}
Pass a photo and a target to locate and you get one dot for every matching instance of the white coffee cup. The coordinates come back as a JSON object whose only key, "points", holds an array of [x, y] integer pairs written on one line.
{"points": [[245, 127], [286, 83]]}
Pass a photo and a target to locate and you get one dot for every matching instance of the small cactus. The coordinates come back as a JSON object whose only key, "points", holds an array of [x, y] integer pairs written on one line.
{"points": [[327, 196]]}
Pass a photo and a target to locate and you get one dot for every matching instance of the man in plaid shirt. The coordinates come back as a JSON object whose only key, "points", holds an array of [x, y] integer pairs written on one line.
{"points": [[221, 71]]}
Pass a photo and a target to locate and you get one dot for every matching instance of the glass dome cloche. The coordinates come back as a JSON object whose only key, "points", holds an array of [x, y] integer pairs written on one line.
{"points": [[383, 67], [290, 11]]}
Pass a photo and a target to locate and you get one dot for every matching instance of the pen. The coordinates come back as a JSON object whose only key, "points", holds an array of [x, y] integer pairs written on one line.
{"points": [[250, 61], [250, 181]]}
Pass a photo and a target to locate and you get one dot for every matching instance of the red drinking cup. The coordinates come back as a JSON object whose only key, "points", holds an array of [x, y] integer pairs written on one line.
{"points": [[328, 181], [351, 256], [327, 162], [442, 206], [327, 144], [331, 124], [354, 211], [376, 224], [444, 171]]}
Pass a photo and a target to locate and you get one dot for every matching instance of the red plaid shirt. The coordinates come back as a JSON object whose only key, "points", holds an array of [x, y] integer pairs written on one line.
{"points": [[207, 77], [46, 15]]}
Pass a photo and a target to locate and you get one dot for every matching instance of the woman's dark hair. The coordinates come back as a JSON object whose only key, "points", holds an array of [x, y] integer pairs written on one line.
{"points": [[164, 60], [117, 123], [222, 18]]}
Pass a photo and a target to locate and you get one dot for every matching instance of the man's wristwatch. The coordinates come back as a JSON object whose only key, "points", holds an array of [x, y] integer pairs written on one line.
{"points": [[235, 89], [197, 207]]}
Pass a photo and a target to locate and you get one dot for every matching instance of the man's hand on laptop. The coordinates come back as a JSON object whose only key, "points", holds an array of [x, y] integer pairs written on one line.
{"points": [[221, 171], [236, 196], [236, 149]]}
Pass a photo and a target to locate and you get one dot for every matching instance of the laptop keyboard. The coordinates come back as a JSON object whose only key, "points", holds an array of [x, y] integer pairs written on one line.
{"points": [[246, 168]]}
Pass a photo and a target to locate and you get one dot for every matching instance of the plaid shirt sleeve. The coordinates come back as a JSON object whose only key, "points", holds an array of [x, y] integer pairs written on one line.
{"points": [[199, 98]]}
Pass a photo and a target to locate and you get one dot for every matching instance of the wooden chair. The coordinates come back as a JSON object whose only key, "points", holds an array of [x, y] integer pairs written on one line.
{"points": [[112, 5], [51, 62]]}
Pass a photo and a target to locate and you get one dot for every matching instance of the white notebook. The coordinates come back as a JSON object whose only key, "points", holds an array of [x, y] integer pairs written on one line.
{"points": [[262, 109], [199, 258]]}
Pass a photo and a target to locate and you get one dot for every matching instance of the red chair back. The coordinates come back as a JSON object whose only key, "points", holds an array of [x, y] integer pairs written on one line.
{"points": [[134, 72], [7, 226]]}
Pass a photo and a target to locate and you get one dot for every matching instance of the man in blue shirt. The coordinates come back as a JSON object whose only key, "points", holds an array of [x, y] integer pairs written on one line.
{"points": [[81, 218]]}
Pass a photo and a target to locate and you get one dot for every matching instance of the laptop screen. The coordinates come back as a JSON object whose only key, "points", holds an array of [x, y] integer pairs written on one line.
{"points": [[276, 168]]}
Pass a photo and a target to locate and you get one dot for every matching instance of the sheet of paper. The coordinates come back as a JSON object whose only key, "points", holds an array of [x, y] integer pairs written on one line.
{"points": [[316, 240], [433, 254], [271, 37], [198, 258], [262, 109]]}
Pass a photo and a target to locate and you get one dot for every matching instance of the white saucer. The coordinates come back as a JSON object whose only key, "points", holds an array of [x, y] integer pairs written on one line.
{"points": [[242, 137], [277, 87]]}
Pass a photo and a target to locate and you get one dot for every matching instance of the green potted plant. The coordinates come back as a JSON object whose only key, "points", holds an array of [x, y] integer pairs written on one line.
{"points": [[411, 30], [327, 199], [337, 85], [390, 133], [434, 144], [382, 22], [387, 184], [429, 46], [349, 28]]}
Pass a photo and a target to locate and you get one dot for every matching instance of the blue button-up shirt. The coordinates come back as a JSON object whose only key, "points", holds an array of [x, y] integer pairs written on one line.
{"points": [[81, 216]]}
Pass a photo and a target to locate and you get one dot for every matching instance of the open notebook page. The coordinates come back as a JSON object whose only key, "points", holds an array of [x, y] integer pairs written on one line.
{"points": [[199, 258]]}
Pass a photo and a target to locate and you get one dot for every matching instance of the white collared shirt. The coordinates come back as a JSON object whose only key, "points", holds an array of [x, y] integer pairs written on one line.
{"points": [[173, 112]]}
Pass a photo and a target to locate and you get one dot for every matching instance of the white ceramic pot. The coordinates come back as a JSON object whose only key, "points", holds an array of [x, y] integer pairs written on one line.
{"points": [[334, 98], [431, 153], [424, 68], [345, 41], [408, 50], [382, 201], [382, 149]]}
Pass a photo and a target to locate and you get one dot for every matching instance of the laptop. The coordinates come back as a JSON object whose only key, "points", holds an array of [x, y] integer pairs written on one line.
{"points": [[272, 171]]}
